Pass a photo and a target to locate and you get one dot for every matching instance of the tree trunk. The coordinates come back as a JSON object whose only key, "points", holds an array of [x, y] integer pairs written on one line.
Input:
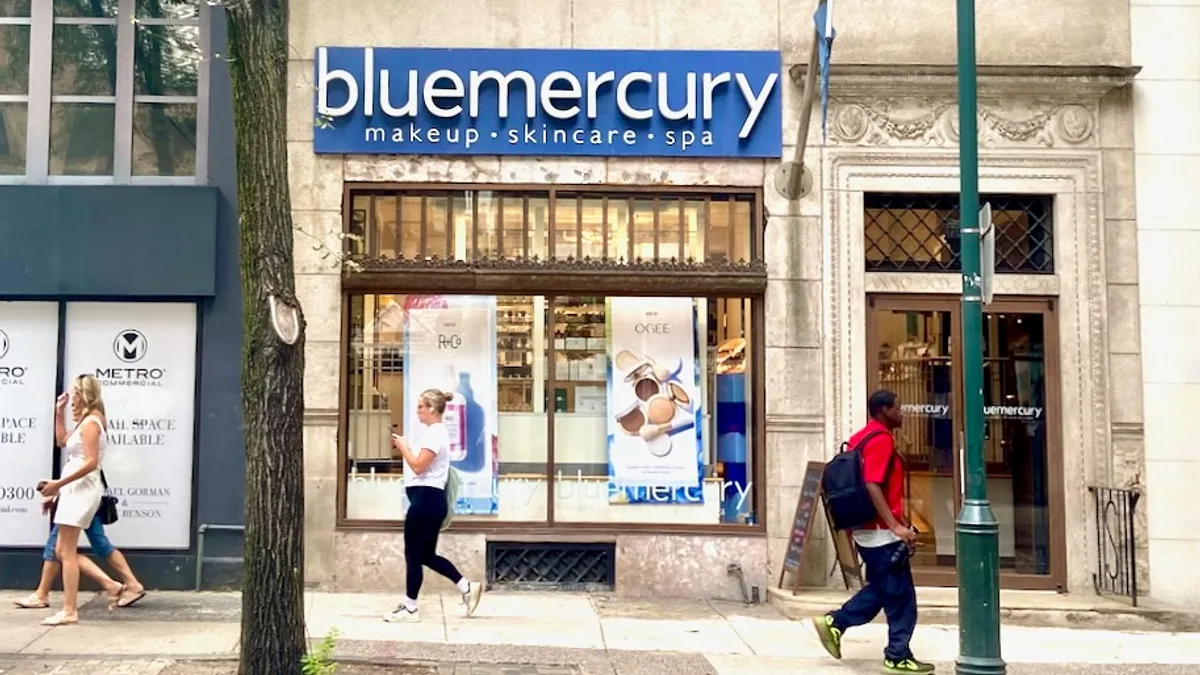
{"points": [[273, 633]]}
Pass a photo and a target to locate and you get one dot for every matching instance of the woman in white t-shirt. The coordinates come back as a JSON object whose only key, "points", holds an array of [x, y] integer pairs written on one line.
{"points": [[426, 470]]}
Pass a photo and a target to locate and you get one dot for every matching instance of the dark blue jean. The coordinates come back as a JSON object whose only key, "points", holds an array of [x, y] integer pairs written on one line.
{"points": [[890, 589], [101, 547]]}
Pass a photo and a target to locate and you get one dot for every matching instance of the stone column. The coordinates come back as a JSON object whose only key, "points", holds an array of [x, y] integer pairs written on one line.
{"points": [[1165, 36], [316, 190], [795, 367]]}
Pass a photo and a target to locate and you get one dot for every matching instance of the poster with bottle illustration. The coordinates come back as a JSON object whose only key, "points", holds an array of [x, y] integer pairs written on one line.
{"points": [[655, 454], [450, 345]]}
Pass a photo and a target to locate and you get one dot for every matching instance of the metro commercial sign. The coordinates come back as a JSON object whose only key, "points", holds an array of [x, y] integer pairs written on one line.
{"points": [[547, 102]]}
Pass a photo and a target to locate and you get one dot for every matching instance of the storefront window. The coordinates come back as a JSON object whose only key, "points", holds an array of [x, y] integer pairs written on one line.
{"points": [[500, 427], [604, 409], [480, 224]]}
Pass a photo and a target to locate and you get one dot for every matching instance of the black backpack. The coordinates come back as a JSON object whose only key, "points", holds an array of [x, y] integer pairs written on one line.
{"points": [[846, 497]]}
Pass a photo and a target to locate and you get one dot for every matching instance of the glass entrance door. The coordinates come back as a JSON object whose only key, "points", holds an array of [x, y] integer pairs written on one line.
{"points": [[914, 344], [914, 348]]}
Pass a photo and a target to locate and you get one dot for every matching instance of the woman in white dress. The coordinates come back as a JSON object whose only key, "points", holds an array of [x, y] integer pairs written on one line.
{"points": [[79, 490]]}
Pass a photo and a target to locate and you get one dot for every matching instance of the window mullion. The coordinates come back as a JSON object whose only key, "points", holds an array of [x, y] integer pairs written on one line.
{"points": [[37, 141], [123, 133], [202, 79]]}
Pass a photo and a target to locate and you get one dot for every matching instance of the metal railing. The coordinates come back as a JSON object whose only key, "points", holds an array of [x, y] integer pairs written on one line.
{"points": [[1116, 542]]}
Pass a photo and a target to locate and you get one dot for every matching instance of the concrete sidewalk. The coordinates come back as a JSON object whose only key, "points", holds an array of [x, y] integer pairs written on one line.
{"points": [[591, 633]]}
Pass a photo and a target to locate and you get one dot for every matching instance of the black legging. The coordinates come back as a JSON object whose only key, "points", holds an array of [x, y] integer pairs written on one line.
{"points": [[426, 511]]}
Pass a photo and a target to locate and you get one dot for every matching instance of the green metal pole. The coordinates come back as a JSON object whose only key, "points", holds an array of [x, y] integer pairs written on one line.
{"points": [[977, 534]]}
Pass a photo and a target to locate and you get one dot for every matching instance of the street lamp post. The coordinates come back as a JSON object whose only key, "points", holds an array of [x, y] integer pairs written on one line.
{"points": [[977, 533]]}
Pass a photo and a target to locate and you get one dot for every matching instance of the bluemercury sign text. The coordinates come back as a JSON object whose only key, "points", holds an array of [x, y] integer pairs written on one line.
{"points": [[547, 102]]}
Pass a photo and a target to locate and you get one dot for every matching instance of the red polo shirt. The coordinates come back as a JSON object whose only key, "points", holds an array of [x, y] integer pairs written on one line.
{"points": [[876, 454]]}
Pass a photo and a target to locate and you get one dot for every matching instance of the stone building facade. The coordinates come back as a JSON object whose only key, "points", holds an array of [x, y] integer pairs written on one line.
{"points": [[1058, 152]]}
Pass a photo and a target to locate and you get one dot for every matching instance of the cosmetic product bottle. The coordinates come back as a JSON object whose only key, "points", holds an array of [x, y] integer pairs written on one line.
{"points": [[455, 419]]}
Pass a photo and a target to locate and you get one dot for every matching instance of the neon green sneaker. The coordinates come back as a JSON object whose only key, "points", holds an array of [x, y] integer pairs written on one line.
{"points": [[906, 667], [831, 637]]}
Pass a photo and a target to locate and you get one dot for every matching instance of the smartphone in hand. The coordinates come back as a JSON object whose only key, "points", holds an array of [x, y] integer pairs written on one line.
{"points": [[41, 485]]}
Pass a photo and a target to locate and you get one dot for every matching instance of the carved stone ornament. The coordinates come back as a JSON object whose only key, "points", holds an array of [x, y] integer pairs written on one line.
{"points": [[934, 123]]}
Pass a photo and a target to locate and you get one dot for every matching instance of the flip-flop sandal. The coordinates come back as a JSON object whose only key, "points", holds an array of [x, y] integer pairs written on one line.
{"points": [[31, 602], [59, 619], [132, 601], [114, 599]]}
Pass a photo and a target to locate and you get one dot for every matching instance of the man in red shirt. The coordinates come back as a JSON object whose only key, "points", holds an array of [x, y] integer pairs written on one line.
{"points": [[884, 546]]}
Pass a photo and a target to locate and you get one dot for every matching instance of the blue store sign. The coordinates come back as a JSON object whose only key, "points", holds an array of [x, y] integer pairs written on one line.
{"points": [[548, 102]]}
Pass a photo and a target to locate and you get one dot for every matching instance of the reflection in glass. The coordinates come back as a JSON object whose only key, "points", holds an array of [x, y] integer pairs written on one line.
{"points": [[592, 215], [85, 60], [377, 407], [1014, 398], [720, 229], [166, 60], [85, 8], [14, 7], [697, 228], [167, 9], [670, 229], [566, 219], [360, 228], [81, 139], [412, 213], [438, 238], [14, 59], [164, 139], [722, 334], [643, 229], [740, 243], [13, 119], [617, 247], [914, 356], [487, 224]]}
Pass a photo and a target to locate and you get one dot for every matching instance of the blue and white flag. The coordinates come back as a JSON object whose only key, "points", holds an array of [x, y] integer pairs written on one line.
{"points": [[825, 33]]}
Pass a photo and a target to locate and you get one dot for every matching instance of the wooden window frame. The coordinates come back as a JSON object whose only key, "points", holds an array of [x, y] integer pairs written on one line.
{"points": [[741, 280], [531, 276]]}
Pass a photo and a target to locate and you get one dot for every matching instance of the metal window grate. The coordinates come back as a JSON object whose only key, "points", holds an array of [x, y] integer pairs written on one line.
{"points": [[551, 566], [921, 233]]}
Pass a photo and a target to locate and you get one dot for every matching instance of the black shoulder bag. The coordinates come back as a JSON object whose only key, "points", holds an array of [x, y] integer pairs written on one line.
{"points": [[108, 504]]}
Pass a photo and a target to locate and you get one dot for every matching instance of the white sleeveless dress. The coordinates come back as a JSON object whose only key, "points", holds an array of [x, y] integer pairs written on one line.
{"points": [[79, 501]]}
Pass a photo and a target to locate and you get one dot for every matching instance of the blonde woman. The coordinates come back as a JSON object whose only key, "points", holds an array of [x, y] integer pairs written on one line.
{"points": [[426, 470], [79, 490]]}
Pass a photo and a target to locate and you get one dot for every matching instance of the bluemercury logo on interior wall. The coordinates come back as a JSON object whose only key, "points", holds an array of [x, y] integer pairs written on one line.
{"points": [[547, 102]]}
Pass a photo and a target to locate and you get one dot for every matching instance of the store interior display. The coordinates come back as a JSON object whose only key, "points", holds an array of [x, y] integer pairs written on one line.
{"points": [[516, 344], [580, 355], [727, 355]]}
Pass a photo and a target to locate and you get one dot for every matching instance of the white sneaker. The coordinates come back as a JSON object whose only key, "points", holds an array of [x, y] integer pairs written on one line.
{"points": [[402, 614], [471, 597]]}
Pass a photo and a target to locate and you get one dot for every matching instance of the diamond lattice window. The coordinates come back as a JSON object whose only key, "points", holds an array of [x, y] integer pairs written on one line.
{"points": [[921, 233]]}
